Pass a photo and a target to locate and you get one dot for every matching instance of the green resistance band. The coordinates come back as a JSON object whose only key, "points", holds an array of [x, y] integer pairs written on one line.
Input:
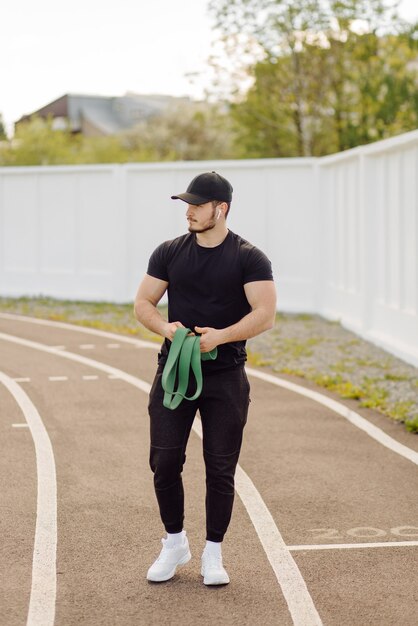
{"points": [[184, 355]]}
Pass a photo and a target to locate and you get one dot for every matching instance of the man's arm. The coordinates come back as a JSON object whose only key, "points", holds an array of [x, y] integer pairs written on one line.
{"points": [[262, 298], [149, 293]]}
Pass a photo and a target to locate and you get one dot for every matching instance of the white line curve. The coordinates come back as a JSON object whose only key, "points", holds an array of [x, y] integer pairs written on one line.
{"points": [[294, 589], [82, 329], [41, 610], [354, 418]]}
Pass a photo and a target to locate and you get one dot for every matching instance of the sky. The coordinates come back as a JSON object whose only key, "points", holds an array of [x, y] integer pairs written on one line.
{"points": [[49, 48]]}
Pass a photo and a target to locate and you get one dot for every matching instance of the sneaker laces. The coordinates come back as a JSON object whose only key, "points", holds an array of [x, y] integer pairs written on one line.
{"points": [[212, 560], [165, 552]]}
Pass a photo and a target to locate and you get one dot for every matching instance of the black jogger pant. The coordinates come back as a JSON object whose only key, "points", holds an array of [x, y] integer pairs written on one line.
{"points": [[223, 406]]}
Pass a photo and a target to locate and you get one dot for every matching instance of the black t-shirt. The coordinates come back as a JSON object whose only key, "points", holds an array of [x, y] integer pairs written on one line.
{"points": [[206, 287]]}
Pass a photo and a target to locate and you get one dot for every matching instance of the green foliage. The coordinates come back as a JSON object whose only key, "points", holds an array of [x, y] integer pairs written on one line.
{"points": [[412, 425], [184, 132], [187, 132], [375, 397], [327, 75], [36, 143], [401, 411], [294, 347], [256, 359], [339, 385], [3, 134]]}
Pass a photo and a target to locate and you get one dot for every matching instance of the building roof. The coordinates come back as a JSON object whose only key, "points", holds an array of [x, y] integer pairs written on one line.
{"points": [[108, 114]]}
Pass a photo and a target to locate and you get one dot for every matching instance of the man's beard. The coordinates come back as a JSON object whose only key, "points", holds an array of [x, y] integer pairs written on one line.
{"points": [[203, 229]]}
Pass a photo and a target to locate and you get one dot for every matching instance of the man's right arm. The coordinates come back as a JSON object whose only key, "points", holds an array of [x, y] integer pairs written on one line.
{"points": [[149, 293]]}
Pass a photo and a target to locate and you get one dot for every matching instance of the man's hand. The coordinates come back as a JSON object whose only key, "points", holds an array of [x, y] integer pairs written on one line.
{"points": [[210, 338], [171, 328]]}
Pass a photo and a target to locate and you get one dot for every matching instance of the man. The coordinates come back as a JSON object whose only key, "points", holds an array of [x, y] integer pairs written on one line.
{"points": [[221, 288]]}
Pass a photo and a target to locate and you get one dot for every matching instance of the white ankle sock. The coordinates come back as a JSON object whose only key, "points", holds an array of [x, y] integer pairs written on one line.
{"points": [[213, 547], [174, 539]]}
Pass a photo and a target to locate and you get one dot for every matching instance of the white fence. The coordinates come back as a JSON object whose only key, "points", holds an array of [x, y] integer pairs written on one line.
{"points": [[341, 231]]}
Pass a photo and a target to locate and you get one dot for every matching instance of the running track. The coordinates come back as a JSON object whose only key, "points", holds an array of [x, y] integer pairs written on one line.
{"points": [[325, 523]]}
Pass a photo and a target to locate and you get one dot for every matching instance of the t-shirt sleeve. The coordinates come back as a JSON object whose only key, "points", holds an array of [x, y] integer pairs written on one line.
{"points": [[257, 266], [157, 264]]}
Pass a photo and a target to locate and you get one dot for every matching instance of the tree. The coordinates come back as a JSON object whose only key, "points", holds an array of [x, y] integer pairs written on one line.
{"points": [[3, 134], [333, 74], [37, 143], [184, 132], [193, 131]]}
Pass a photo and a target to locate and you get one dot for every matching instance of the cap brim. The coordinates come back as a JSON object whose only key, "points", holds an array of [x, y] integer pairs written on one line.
{"points": [[190, 198]]}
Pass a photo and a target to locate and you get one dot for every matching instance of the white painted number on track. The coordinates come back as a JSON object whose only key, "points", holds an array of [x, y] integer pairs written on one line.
{"points": [[364, 531], [354, 546]]}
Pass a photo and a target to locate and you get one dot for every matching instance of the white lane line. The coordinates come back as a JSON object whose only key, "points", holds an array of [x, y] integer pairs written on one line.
{"points": [[113, 346], [137, 382], [82, 329], [295, 591], [20, 425], [293, 586], [58, 347], [289, 577], [86, 346], [344, 546], [354, 418], [21, 380], [57, 378], [44, 585], [92, 377]]}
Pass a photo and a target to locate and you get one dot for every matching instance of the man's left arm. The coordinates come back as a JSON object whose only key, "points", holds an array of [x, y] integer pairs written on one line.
{"points": [[261, 296]]}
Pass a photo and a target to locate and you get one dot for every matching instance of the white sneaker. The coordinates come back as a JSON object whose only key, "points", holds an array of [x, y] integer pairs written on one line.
{"points": [[213, 571], [165, 566]]}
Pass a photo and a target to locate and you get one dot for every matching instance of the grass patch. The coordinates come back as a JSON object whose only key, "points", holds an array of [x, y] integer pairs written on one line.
{"points": [[375, 398], [257, 360], [304, 317], [412, 425], [395, 377], [349, 344], [294, 348], [369, 363], [339, 385], [342, 366], [400, 411], [291, 372], [106, 316]]}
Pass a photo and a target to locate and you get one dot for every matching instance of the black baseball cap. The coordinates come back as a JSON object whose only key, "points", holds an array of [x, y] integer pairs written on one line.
{"points": [[206, 187]]}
